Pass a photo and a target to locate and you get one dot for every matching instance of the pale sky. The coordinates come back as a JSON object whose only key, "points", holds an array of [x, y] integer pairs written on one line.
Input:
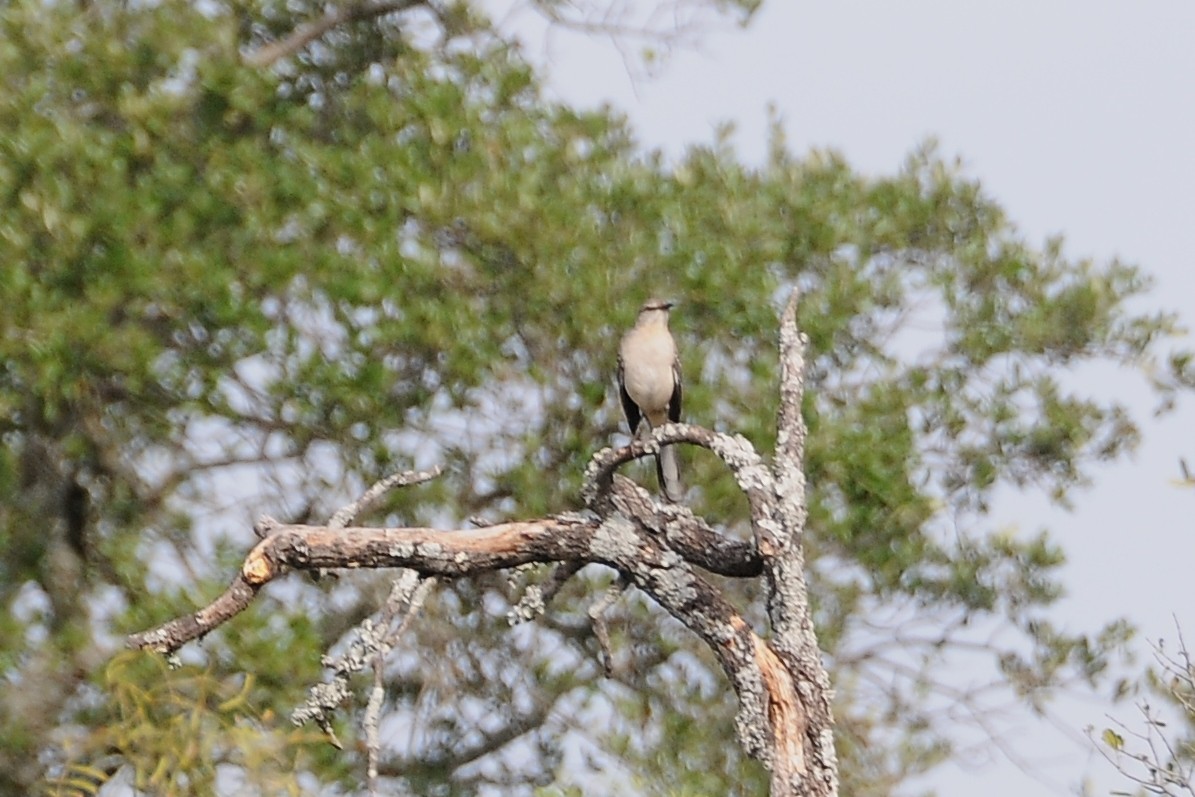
{"points": [[1079, 119]]}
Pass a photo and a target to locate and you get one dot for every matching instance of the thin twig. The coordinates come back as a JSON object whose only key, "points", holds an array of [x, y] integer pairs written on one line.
{"points": [[601, 629], [347, 514]]}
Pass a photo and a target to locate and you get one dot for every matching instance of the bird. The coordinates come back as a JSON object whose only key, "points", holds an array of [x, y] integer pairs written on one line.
{"points": [[649, 384]]}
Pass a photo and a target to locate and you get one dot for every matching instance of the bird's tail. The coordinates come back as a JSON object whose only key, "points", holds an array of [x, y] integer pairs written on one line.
{"points": [[668, 469]]}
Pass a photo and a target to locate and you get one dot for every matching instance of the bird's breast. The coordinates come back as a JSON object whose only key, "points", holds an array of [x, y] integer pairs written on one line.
{"points": [[647, 370]]}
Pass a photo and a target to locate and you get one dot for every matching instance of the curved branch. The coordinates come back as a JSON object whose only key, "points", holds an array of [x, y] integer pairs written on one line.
{"points": [[748, 469]]}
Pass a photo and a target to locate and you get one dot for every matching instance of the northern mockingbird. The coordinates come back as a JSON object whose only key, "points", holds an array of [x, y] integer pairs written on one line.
{"points": [[650, 386]]}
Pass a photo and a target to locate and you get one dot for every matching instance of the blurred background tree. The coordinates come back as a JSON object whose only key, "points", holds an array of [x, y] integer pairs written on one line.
{"points": [[232, 289]]}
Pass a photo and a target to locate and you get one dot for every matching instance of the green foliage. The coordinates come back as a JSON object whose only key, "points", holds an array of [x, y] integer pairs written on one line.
{"points": [[177, 728], [231, 290]]}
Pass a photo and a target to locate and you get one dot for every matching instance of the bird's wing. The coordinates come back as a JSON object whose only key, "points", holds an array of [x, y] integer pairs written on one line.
{"points": [[674, 402], [629, 407]]}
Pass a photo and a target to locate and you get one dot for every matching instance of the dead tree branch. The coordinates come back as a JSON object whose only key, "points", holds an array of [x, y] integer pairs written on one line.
{"points": [[784, 695]]}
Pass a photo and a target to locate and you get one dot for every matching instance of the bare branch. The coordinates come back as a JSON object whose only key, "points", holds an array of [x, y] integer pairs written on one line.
{"points": [[305, 34], [371, 722], [560, 576], [790, 423], [171, 636], [429, 551], [679, 22], [597, 613], [346, 515]]}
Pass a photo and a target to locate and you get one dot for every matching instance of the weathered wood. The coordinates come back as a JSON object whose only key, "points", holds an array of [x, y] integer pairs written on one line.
{"points": [[784, 717]]}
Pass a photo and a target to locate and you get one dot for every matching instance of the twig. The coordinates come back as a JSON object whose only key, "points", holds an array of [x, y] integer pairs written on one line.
{"points": [[560, 576], [347, 514], [597, 613]]}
